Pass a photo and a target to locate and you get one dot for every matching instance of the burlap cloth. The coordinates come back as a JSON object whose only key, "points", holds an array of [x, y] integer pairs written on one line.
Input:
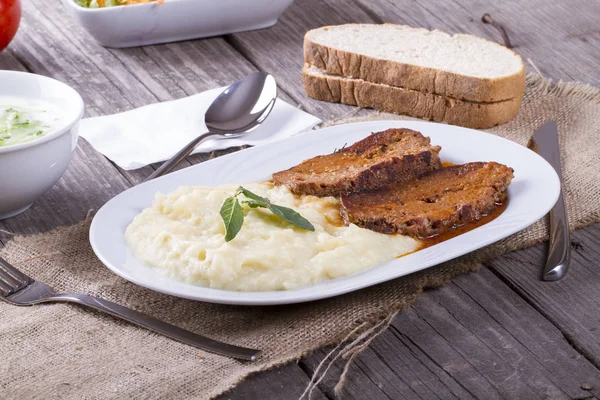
{"points": [[65, 351]]}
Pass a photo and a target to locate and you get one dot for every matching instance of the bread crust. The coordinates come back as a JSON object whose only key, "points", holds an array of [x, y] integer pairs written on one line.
{"points": [[423, 79], [391, 156], [357, 92]]}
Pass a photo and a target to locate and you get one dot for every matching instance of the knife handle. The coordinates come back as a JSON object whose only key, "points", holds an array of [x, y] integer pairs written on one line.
{"points": [[559, 252]]}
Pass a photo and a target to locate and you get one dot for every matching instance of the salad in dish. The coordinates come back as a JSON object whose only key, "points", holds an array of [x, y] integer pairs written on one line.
{"points": [[112, 3]]}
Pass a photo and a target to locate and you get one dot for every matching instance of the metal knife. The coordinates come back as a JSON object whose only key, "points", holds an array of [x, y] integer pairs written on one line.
{"points": [[545, 142]]}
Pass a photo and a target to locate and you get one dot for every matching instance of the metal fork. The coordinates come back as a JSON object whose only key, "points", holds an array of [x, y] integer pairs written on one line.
{"points": [[18, 289]]}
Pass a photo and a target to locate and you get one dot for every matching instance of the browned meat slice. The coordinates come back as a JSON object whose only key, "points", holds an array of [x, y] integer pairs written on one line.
{"points": [[394, 155], [433, 204]]}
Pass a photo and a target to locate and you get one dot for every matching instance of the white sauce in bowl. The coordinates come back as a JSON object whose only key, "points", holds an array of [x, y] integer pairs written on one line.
{"points": [[23, 120]]}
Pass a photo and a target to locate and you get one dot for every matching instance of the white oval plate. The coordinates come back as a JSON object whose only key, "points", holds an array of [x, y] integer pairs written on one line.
{"points": [[532, 194]]}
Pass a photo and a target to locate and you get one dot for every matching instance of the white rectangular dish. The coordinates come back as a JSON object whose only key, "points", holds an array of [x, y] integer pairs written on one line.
{"points": [[151, 23], [532, 194]]}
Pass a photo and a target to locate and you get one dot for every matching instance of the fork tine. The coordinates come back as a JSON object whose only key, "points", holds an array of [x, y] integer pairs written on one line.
{"points": [[5, 288], [8, 280], [17, 275]]}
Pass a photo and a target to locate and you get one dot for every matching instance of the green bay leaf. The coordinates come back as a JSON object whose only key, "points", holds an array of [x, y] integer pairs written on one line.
{"points": [[233, 217], [253, 196], [255, 204], [291, 216]]}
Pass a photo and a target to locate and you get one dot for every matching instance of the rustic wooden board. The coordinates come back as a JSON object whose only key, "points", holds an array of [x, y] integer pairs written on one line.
{"points": [[9, 61], [391, 368], [561, 38], [571, 304], [490, 336], [472, 338], [283, 383], [278, 50]]}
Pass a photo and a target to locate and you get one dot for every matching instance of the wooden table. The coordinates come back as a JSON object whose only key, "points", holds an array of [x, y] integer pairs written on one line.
{"points": [[499, 333]]}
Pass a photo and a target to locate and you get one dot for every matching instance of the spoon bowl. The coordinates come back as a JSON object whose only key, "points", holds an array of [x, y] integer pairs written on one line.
{"points": [[236, 111], [242, 106]]}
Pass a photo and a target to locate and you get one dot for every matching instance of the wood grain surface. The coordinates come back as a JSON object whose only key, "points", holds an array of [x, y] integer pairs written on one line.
{"points": [[499, 333]]}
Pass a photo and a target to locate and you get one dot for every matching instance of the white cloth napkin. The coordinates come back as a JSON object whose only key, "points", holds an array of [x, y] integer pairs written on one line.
{"points": [[154, 133]]}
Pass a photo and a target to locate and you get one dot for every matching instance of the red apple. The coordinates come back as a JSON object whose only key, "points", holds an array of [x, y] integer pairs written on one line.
{"points": [[10, 16]]}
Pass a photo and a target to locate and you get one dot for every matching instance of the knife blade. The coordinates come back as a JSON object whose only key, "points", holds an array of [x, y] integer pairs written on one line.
{"points": [[545, 142]]}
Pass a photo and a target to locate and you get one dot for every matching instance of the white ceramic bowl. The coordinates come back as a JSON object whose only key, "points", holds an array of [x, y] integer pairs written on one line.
{"points": [[28, 170], [151, 23]]}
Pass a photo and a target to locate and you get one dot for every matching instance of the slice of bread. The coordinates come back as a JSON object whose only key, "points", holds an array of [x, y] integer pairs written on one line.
{"points": [[357, 92], [458, 66]]}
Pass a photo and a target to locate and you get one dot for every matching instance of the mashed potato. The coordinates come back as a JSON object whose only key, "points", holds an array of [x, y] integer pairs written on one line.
{"points": [[182, 236]]}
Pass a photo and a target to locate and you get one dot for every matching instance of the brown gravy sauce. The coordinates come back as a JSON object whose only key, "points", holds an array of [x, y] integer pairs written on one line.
{"points": [[459, 230]]}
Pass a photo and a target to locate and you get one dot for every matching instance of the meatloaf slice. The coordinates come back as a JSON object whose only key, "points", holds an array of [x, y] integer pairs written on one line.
{"points": [[432, 204], [394, 155]]}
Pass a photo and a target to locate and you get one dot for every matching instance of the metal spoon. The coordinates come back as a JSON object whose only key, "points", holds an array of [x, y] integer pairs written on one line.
{"points": [[239, 109]]}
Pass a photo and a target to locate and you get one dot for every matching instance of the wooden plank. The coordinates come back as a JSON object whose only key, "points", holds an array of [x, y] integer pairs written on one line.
{"points": [[556, 36], [531, 35], [8, 61], [283, 383], [472, 338], [278, 50], [530, 351], [391, 368], [571, 304]]}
